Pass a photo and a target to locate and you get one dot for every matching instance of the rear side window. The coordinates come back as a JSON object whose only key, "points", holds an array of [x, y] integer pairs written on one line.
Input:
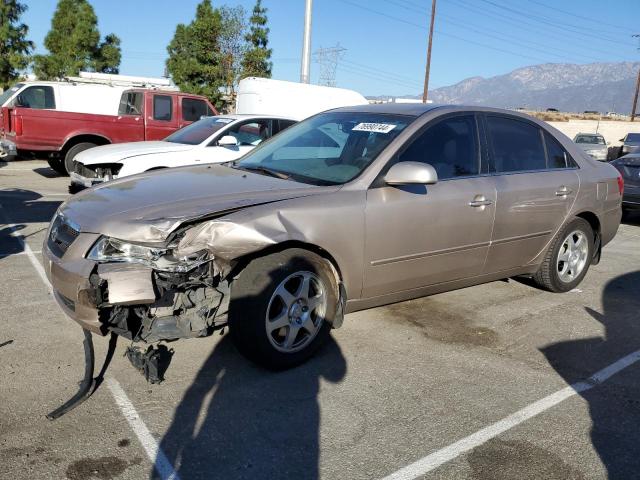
{"points": [[193, 109], [131, 103], [450, 146], [517, 145], [39, 97], [162, 108], [556, 155]]}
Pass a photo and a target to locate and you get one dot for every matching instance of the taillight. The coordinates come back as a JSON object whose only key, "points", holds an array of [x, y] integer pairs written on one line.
{"points": [[620, 184], [18, 125]]}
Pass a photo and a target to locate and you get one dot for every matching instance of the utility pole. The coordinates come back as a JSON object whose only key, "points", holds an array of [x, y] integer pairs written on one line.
{"points": [[306, 44], [426, 73], [635, 96]]}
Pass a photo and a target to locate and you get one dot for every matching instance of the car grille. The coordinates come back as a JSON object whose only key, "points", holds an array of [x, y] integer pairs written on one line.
{"points": [[61, 236], [83, 171]]}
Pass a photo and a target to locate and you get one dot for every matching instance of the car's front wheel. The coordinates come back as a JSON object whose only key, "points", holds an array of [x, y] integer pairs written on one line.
{"points": [[282, 306], [568, 258]]}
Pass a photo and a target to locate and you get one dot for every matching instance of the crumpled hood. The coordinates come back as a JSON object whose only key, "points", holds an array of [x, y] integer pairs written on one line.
{"points": [[119, 151], [149, 206]]}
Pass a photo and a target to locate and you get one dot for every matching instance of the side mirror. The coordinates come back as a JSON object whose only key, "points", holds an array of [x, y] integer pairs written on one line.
{"points": [[621, 140], [228, 141], [411, 173]]}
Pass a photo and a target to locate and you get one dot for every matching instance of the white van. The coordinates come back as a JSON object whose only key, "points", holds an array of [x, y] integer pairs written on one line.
{"points": [[89, 93], [260, 96]]}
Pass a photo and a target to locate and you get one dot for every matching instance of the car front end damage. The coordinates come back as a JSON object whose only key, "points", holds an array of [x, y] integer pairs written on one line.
{"points": [[85, 176], [150, 292]]}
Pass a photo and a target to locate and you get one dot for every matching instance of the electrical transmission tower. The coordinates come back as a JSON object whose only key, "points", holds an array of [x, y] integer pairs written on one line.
{"points": [[328, 59]]}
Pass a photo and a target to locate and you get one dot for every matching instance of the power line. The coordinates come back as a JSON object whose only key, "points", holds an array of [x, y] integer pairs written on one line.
{"points": [[525, 43], [328, 59]]}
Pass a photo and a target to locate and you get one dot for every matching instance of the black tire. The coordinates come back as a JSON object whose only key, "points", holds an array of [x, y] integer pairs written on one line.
{"points": [[57, 165], [251, 294], [72, 152], [548, 277]]}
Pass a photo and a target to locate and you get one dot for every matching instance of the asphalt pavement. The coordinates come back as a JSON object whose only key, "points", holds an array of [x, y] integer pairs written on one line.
{"points": [[498, 381]]}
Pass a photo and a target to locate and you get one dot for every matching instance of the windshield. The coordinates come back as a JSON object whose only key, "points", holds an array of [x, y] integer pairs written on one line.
{"points": [[199, 131], [328, 149], [591, 139], [633, 137], [8, 93]]}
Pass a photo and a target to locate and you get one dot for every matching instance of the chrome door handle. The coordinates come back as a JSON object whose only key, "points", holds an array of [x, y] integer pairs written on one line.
{"points": [[480, 202], [563, 191]]}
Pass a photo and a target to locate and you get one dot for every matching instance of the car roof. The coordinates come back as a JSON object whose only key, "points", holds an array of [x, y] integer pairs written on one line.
{"points": [[248, 116], [589, 134], [412, 109]]}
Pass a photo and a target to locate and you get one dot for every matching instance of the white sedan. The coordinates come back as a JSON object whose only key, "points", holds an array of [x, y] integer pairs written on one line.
{"points": [[209, 140]]}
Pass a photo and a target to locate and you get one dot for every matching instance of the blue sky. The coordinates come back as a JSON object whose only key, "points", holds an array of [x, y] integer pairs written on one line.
{"points": [[385, 40]]}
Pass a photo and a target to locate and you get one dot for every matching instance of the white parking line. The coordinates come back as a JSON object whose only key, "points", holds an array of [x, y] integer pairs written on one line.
{"points": [[149, 443], [157, 456], [446, 454]]}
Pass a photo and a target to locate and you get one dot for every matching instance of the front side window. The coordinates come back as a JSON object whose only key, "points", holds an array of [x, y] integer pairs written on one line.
{"points": [[633, 137], [199, 131], [193, 109], [327, 149], [450, 146], [251, 133], [131, 103], [39, 97], [516, 145], [162, 108]]}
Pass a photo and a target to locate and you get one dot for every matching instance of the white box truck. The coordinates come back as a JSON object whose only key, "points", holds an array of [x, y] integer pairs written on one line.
{"points": [[292, 99]]}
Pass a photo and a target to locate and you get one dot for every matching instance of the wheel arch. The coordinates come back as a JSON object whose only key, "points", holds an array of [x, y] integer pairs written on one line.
{"points": [[75, 139], [594, 221], [244, 260]]}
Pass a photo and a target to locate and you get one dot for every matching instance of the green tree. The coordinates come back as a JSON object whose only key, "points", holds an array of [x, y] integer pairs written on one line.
{"points": [[232, 44], [196, 62], [74, 43], [14, 46], [256, 61]]}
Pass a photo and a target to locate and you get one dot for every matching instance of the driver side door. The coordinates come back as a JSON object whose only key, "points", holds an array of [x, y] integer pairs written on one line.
{"points": [[419, 235]]}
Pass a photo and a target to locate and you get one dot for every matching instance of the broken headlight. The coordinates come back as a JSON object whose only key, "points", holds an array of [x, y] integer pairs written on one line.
{"points": [[108, 249]]}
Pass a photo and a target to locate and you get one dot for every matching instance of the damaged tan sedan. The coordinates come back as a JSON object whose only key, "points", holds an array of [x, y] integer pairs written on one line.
{"points": [[350, 209]]}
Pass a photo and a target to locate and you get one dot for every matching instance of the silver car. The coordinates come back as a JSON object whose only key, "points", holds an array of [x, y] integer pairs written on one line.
{"points": [[593, 144], [630, 143], [350, 209]]}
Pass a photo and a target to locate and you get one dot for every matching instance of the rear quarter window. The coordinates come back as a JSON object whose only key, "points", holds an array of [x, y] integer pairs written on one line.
{"points": [[193, 109]]}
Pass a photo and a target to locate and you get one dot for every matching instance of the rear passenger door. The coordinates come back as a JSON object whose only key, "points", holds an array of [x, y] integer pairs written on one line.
{"points": [[536, 183], [161, 118]]}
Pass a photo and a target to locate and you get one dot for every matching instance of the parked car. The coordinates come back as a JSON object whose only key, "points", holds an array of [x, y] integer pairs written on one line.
{"points": [[629, 168], [142, 114], [209, 140], [593, 144], [551, 109], [630, 143], [281, 243]]}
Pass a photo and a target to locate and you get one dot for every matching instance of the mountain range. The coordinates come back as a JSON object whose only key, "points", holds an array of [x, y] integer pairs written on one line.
{"points": [[602, 87]]}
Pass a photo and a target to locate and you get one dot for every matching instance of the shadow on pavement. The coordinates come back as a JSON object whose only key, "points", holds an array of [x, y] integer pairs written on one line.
{"points": [[239, 421], [20, 208], [47, 172], [615, 406]]}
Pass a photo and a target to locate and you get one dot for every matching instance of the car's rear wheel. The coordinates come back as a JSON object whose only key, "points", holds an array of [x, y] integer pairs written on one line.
{"points": [[282, 306], [57, 165], [72, 152], [568, 258]]}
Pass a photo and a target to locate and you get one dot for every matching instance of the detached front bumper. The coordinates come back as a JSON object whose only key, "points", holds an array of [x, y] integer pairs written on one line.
{"points": [[7, 149], [79, 181]]}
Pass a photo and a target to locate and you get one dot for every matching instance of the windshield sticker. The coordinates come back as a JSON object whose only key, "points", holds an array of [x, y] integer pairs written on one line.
{"points": [[374, 127], [224, 120]]}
